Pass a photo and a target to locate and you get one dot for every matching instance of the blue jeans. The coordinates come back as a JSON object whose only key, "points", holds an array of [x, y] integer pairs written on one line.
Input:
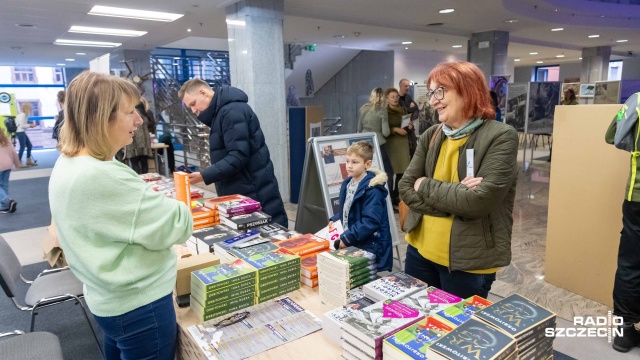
{"points": [[460, 283], [146, 333], [4, 189], [24, 141]]}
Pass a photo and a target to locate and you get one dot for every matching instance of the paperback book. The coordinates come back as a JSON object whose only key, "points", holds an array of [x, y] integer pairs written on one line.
{"points": [[266, 231], [332, 320], [304, 244], [412, 342], [218, 276], [213, 203], [473, 339], [246, 221], [284, 235], [245, 252], [309, 282], [222, 247], [238, 207], [309, 265], [393, 286], [461, 312], [430, 300], [222, 307]]}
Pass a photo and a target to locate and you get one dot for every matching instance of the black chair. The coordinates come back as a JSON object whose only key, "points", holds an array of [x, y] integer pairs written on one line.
{"points": [[51, 287], [32, 346]]}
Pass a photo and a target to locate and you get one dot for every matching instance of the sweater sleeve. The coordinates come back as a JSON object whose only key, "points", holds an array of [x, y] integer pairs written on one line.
{"points": [[386, 131]]}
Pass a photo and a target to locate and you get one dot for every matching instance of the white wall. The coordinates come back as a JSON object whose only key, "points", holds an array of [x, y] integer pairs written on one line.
{"points": [[46, 95], [415, 65], [324, 63]]}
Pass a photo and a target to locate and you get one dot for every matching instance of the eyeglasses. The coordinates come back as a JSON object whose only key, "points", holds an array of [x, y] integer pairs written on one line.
{"points": [[235, 318], [392, 97], [438, 93]]}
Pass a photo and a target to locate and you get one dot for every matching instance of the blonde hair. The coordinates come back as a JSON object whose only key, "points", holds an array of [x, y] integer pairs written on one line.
{"points": [[27, 108], [191, 86], [361, 149], [376, 99], [4, 139], [92, 102], [145, 103]]}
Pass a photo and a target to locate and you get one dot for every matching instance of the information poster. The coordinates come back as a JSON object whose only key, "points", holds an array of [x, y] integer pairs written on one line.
{"points": [[607, 92], [427, 116], [499, 86], [543, 98], [516, 105]]}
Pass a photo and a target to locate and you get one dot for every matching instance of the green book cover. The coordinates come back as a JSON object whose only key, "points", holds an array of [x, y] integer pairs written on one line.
{"points": [[277, 276], [245, 252], [264, 286], [222, 275], [213, 293], [221, 308], [285, 284], [354, 256], [272, 261]]}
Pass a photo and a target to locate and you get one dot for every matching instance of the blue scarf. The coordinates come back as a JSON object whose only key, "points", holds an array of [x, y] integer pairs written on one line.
{"points": [[463, 131]]}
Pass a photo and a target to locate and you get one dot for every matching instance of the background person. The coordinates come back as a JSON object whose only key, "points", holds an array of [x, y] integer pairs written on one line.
{"points": [[372, 117], [240, 160], [494, 100], [8, 160], [119, 243], [459, 226], [23, 124], [569, 98], [60, 118], [397, 142], [139, 151]]}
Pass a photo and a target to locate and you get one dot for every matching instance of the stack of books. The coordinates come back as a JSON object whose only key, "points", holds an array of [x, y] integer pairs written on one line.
{"points": [[238, 211], [341, 270], [332, 320], [473, 340], [309, 269], [278, 273], [394, 286], [252, 247], [412, 342], [222, 248], [364, 330], [221, 289], [458, 314], [268, 230], [525, 321], [430, 301], [204, 217]]}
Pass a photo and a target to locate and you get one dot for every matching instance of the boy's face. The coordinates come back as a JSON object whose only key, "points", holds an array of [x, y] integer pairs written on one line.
{"points": [[356, 166]]}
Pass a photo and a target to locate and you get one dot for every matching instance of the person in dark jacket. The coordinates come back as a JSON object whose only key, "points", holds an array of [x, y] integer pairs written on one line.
{"points": [[240, 160], [56, 127], [363, 207]]}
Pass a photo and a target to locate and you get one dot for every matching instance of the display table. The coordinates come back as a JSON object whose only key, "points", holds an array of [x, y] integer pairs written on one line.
{"points": [[313, 346]]}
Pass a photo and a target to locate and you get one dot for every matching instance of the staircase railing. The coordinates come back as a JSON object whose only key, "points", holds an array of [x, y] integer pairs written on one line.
{"points": [[178, 121]]}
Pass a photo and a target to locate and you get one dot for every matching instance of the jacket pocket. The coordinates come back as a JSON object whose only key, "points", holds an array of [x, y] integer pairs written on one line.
{"points": [[471, 233], [486, 227]]}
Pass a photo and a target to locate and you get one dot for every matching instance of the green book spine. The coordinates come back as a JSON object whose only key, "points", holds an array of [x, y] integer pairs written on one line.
{"points": [[224, 307], [281, 284], [286, 273], [278, 267], [280, 292], [275, 282], [225, 296], [217, 293], [219, 276]]}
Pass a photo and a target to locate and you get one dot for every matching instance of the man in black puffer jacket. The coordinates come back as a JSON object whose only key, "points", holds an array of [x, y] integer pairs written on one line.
{"points": [[240, 160]]}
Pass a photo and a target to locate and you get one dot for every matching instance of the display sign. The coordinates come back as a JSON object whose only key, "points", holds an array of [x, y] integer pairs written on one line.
{"points": [[516, 105], [607, 92]]}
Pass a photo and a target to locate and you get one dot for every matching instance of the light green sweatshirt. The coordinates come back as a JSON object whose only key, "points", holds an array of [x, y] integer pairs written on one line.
{"points": [[116, 233]]}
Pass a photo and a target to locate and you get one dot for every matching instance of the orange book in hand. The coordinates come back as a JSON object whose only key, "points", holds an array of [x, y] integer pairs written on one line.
{"points": [[183, 187]]}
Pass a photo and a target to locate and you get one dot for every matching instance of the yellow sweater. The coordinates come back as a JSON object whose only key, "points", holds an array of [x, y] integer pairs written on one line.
{"points": [[433, 236]]}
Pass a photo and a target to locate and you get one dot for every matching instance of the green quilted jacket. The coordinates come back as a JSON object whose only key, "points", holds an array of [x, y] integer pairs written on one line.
{"points": [[481, 231]]}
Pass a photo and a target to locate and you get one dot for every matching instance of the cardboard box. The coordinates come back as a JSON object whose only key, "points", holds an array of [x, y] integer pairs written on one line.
{"points": [[52, 250], [187, 263]]}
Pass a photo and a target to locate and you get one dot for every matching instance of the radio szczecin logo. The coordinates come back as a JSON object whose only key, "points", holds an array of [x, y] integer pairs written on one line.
{"points": [[599, 327]]}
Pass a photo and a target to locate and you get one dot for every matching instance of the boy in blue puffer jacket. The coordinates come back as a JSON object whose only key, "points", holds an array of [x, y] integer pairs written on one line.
{"points": [[363, 206]]}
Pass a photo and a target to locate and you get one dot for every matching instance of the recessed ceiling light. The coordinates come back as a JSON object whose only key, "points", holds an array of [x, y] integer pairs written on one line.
{"points": [[231, 39], [407, 42], [621, 41], [555, 10], [134, 14], [539, 62], [456, 46], [105, 31], [339, 36], [86, 43], [511, 21], [26, 26], [446, 11], [61, 64], [594, 36], [406, 48], [516, 59], [533, 53], [557, 29], [236, 22], [81, 54], [560, 56], [188, 30], [69, 59]]}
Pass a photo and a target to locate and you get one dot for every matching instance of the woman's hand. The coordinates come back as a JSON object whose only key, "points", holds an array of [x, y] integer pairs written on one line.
{"points": [[471, 182], [399, 131], [419, 181]]}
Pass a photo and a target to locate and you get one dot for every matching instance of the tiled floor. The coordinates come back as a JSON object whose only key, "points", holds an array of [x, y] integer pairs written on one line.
{"points": [[525, 275]]}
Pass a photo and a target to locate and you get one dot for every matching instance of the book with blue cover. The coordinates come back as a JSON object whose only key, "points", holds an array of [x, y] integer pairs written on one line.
{"points": [[222, 275]]}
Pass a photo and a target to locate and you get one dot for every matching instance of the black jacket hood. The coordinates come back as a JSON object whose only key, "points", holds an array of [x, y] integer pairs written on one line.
{"points": [[223, 95]]}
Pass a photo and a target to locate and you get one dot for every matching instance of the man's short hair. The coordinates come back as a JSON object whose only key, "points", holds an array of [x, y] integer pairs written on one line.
{"points": [[362, 149], [191, 86], [401, 80]]}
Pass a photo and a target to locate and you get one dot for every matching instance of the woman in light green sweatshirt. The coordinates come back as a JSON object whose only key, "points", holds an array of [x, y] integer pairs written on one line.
{"points": [[116, 232]]}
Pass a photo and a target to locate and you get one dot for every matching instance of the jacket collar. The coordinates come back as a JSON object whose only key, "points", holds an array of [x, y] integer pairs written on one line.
{"points": [[373, 178], [207, 116]]}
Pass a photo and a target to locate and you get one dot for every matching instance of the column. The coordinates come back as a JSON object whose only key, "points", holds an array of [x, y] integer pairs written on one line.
{"points": [[256, 55], [595, 64], [488, 50]]}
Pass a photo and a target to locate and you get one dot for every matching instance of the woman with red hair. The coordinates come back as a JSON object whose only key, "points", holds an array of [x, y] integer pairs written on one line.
{"points": [[460, 187]]}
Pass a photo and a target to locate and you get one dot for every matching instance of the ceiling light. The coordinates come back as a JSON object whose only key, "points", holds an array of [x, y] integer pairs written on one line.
{"points": [[406, 48], [621, 41], [511, 21], [104, 31], [594, 36], [81, 53], [557, 29], [86, 43], [407, 42], [61, 64], [69, 59], [516, 59], [446, 11], [539, 62], [236, 22], [579, 58], [339, 36], [533, 53], [456, 46], [188, 30], [560, 56], [134, 14]]}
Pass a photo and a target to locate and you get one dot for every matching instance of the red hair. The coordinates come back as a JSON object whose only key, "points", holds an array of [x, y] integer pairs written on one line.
{"points": [[468, 81]]}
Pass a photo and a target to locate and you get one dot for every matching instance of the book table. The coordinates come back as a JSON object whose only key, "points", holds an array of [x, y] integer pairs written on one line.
{"points": [[315, 346]]}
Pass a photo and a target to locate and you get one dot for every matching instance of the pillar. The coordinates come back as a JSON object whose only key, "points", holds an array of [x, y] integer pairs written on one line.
{"points": [[595, 64], [488, 50]]}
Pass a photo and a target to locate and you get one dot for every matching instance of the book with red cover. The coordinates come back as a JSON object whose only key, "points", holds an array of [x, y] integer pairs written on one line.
{"points": [[304, 244], [309, 264], [212, 203]]}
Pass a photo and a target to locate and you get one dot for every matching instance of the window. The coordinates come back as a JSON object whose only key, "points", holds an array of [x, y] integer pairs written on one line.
{"points": [[58, 76], [615, 70], [35, 104], [547, 73], [24, 74]]}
